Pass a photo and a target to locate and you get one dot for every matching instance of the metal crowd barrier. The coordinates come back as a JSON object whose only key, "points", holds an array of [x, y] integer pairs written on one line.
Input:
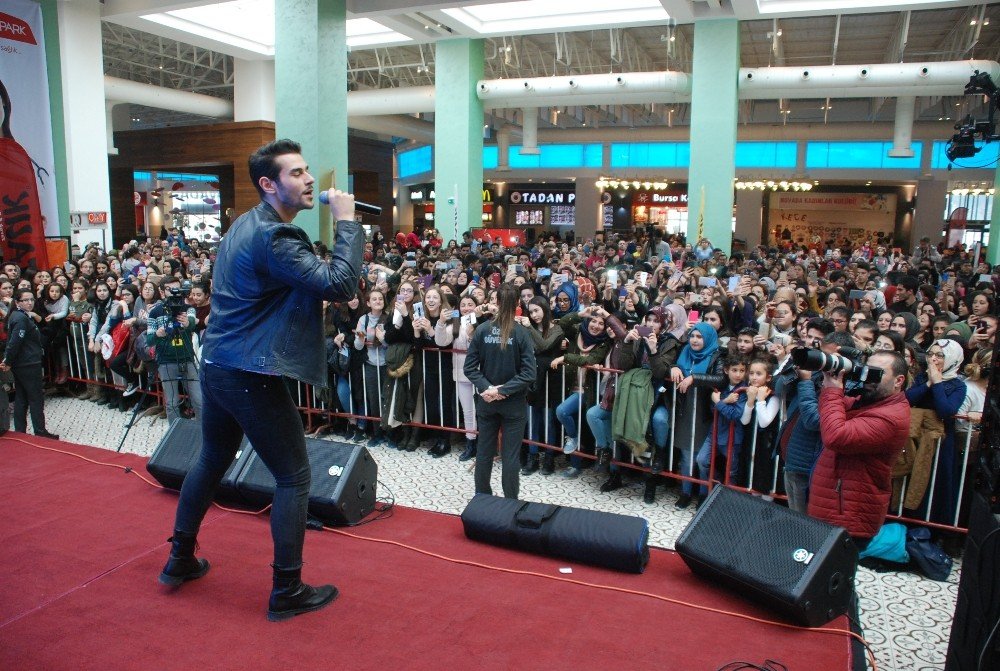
{"points": [[365, 405]]}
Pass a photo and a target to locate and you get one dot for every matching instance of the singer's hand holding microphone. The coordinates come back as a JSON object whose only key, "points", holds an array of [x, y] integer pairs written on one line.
{"points": [[343, 205]]}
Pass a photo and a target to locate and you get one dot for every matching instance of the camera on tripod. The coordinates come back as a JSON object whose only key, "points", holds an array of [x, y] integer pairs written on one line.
{"points": [[849, 360], [176, 304]]}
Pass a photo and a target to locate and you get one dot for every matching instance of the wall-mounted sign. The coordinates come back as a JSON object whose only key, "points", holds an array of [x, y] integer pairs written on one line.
{"points": [[424, 192], [543, 197], [660, 198], [83, 219]]}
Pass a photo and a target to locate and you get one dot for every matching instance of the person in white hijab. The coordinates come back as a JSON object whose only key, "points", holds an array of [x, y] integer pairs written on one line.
{"points": [[941, 390]]}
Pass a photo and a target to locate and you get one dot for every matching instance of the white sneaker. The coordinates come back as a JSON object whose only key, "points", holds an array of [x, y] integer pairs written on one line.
{"points": [[131, 389], [569, 447]]}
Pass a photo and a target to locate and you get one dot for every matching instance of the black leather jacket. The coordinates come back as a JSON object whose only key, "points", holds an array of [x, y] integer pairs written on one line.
{"points": [[268, 289]]}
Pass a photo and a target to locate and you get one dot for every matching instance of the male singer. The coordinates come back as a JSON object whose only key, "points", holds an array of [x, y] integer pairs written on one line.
{"points": [[266, 323]]}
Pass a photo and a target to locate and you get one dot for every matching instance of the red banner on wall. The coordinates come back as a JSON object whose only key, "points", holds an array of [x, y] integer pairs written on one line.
{"points": [[22, 229]]}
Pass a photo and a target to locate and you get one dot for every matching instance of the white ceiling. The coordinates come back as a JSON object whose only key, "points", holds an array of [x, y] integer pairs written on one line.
{"points": [[562, 37]]}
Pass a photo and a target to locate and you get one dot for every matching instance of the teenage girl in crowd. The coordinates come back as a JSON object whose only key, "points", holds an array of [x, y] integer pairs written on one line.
{"points": [[369, 334], [439, 390], [456, 334], [546, 393]]}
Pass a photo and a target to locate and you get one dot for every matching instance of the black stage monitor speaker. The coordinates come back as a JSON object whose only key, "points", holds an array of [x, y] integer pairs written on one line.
{"points": [[799, 566], [176, 453], [343, 482]]}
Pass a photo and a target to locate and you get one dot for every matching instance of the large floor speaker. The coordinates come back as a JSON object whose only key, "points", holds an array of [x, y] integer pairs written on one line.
{"points": [[975, 641], [343, 481], [176, 453], [800, 567]]}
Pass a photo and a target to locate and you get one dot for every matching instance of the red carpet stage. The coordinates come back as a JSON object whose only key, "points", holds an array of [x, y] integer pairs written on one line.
{"points": [[83, 543]]}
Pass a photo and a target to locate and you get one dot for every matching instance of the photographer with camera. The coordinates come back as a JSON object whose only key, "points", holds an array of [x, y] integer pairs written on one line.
{"points": [[852, 481], [170, 327]]}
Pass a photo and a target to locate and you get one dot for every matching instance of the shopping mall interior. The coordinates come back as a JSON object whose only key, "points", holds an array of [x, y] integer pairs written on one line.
{"points": [[747, 122]]}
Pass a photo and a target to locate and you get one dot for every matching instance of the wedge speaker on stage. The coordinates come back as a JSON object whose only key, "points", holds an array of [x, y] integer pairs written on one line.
{"points": [[618, 542], [176, 453], [799, 566], [343, 481]]}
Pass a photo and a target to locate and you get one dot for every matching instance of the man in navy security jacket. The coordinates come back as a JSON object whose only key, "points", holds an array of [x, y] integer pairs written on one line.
{"points": [[266, 323]]}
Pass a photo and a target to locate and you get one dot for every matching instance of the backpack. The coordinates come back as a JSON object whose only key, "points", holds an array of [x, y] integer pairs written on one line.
{"points": [[928, 556]]}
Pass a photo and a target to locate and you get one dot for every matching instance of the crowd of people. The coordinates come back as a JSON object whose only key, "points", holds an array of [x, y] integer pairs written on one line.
{"points": [[650, 352]]}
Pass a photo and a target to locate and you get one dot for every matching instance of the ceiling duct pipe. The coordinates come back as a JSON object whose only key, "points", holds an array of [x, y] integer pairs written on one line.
{"points": [[529, 132], [125, 91], [889, 80], [503, 146], [902, 132], [604, 89], [401, 100]]}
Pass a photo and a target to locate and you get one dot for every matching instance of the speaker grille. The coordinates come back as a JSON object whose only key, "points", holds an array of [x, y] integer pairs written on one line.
{"points": [[756, 540]]}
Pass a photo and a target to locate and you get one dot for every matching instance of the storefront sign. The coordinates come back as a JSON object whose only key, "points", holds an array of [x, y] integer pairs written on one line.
{"points": [[660, 198], [422, 192], [83, 219], [543, 197]]}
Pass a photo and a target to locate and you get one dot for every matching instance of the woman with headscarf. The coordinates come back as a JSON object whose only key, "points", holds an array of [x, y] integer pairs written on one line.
{"points": [[941, 390], [907, 325], [697, 371], [873, 303], [675, 321], [565, 300], [586, 344]]}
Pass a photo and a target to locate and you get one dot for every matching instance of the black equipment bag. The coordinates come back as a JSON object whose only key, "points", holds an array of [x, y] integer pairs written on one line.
{"points": [[612, 541]]}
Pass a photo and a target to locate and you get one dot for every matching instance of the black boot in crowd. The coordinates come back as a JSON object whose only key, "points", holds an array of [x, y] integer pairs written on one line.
{"points": [[548, 463], [531, 465], [470, 450], [182, 565], [290, 596]]}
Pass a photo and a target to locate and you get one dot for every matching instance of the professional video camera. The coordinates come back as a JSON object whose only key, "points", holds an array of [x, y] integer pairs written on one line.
{"points": [[963, 143], [849, 360], [176, 303]]}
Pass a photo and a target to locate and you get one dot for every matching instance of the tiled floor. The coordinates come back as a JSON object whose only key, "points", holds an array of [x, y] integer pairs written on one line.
{"points": [[906, 618]]}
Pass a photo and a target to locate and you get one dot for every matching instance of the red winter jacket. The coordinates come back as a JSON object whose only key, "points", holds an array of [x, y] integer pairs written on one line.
{"points": [[851, 482]]}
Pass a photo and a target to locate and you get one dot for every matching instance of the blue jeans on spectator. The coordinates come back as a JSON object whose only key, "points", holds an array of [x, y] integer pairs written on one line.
{"points": [[259, 406], [344, 396], [661, 426], [566, 414], [599, 421], [704, 460], [538, 432]]}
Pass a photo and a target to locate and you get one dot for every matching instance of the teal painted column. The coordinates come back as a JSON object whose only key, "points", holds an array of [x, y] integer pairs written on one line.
{"points": [[458, 137], [310, 87], [53, 67], [714, 108], [993, 249]]}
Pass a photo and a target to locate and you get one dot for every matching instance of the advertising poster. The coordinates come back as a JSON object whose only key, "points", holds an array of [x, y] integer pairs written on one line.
{"points": [[811, 219], [28, 207]]}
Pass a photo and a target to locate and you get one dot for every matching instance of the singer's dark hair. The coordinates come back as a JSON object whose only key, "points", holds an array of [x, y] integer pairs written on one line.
{"points": [[262, 163], [506, 305]]}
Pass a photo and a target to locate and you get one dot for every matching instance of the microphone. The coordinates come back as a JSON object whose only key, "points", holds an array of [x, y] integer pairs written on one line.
{"points": [[367, 208]]}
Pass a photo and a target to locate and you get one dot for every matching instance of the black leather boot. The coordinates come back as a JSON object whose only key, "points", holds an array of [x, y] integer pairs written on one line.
{"points": [[649, 495], [412, 439], [548, 463], [441, 447], [290, 596], [405, 435], [613, 482], [182, 565], [531, 465], [470, 450]]}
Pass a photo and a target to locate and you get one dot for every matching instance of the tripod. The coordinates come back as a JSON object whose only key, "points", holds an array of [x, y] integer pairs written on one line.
{"points": [[145, 390]]}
